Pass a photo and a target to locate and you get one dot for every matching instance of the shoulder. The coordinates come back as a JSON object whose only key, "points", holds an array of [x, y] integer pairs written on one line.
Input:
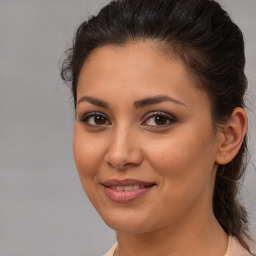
{"points": [[112, 250], [237, 249]]}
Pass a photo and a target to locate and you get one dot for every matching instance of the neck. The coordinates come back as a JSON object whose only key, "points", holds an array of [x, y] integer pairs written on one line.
{"points": [[201, 237]]}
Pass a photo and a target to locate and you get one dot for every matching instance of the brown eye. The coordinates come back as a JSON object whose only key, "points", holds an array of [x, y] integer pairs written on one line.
{"points": [[95, 119], [99, 120], [159, 119]]}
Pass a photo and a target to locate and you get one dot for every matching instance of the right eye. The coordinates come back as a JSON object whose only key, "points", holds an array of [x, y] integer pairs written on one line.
{"points": [[95, 119]]}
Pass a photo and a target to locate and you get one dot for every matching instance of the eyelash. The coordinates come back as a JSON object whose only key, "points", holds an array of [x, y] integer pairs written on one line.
{"points": [[84, 119], [167, 118]]}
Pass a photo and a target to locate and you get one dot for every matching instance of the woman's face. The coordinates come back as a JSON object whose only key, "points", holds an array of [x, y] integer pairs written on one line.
{"points": [[144, 141]]}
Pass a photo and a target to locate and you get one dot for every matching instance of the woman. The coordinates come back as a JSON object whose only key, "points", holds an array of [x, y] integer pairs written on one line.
{"points": [[160, 129]]}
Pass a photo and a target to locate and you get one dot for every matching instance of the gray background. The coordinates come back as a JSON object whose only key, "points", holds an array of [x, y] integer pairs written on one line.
{"points": [[43, 209]]}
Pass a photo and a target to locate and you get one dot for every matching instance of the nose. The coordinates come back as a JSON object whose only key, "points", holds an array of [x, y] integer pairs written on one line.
{"points": [[124, 150]]}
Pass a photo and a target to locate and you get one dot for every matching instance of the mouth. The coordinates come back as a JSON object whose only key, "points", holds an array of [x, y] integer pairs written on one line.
{"points": [[128, 190]]}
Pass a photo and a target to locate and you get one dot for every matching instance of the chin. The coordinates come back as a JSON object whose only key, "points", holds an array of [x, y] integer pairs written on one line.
{"points": [[129, 222], [131, 228]]}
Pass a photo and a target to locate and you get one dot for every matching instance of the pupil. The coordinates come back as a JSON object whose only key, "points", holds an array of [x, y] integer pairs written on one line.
{"points": [[160, 120], [99, 120]]}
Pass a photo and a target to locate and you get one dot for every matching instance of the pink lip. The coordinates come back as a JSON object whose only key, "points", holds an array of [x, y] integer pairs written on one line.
{"points": [[126, 196], [126, 182]]}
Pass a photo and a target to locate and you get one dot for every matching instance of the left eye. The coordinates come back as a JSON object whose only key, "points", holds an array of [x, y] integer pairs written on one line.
{"points": [[159, 120], [95, 119]]}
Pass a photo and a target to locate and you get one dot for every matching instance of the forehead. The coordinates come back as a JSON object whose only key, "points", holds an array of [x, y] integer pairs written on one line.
{"points": [[139, 69]]}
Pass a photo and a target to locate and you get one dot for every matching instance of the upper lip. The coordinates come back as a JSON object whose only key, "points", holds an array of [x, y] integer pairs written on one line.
{"points": [[126, 182]]}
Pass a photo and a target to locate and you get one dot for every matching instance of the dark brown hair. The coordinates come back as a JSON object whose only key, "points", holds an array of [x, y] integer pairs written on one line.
{"points": [[202, 34]]}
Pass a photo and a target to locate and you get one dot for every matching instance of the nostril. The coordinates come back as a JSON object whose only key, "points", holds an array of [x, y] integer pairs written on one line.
{"points": [[118, 166], [123, 158]]}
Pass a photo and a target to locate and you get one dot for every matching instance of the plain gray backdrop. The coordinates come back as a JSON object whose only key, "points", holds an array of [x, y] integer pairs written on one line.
{"points": [[43, 208]]}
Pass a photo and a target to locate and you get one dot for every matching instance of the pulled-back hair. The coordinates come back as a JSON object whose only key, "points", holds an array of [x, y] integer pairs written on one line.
{"points": [[201, 34]]}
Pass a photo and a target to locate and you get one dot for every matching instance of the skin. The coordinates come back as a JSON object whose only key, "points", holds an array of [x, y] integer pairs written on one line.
{"points": [[181, 157]]}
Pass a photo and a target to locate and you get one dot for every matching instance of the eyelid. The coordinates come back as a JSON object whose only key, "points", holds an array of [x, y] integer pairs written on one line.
{"points": [[90, 114], [161, 113], [170, 117]]}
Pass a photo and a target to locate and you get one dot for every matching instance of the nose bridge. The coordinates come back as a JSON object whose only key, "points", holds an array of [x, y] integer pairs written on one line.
{"points": [[123, 149]]}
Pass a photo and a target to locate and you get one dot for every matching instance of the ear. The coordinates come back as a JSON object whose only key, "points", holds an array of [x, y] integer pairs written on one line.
{"points": [[231, 136]]}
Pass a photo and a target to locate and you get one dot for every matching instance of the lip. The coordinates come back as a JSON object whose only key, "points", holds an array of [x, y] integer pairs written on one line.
{"points": [[137, 189], [126, 182]]}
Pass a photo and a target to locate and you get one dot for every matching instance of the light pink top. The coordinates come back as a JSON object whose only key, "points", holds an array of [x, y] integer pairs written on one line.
{"points": [[236, 249]]}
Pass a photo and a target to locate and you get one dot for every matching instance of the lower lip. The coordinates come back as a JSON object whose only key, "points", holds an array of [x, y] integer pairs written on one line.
{"points": [[126, 196]]}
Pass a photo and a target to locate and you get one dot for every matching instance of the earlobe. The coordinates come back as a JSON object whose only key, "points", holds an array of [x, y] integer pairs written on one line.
{"points": [[231, 137]]}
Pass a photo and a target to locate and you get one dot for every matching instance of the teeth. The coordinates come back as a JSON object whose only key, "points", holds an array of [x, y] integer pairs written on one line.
{"points": [[127, 188], [119, 188]]}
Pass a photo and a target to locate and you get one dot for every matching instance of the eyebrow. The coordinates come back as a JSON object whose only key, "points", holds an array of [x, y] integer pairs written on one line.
{"points": [[155, 100], [94, 101], [137, 104]]}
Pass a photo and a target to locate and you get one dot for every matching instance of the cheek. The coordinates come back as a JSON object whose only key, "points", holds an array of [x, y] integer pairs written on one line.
{"points": [[86, 154], [184, 161]]}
